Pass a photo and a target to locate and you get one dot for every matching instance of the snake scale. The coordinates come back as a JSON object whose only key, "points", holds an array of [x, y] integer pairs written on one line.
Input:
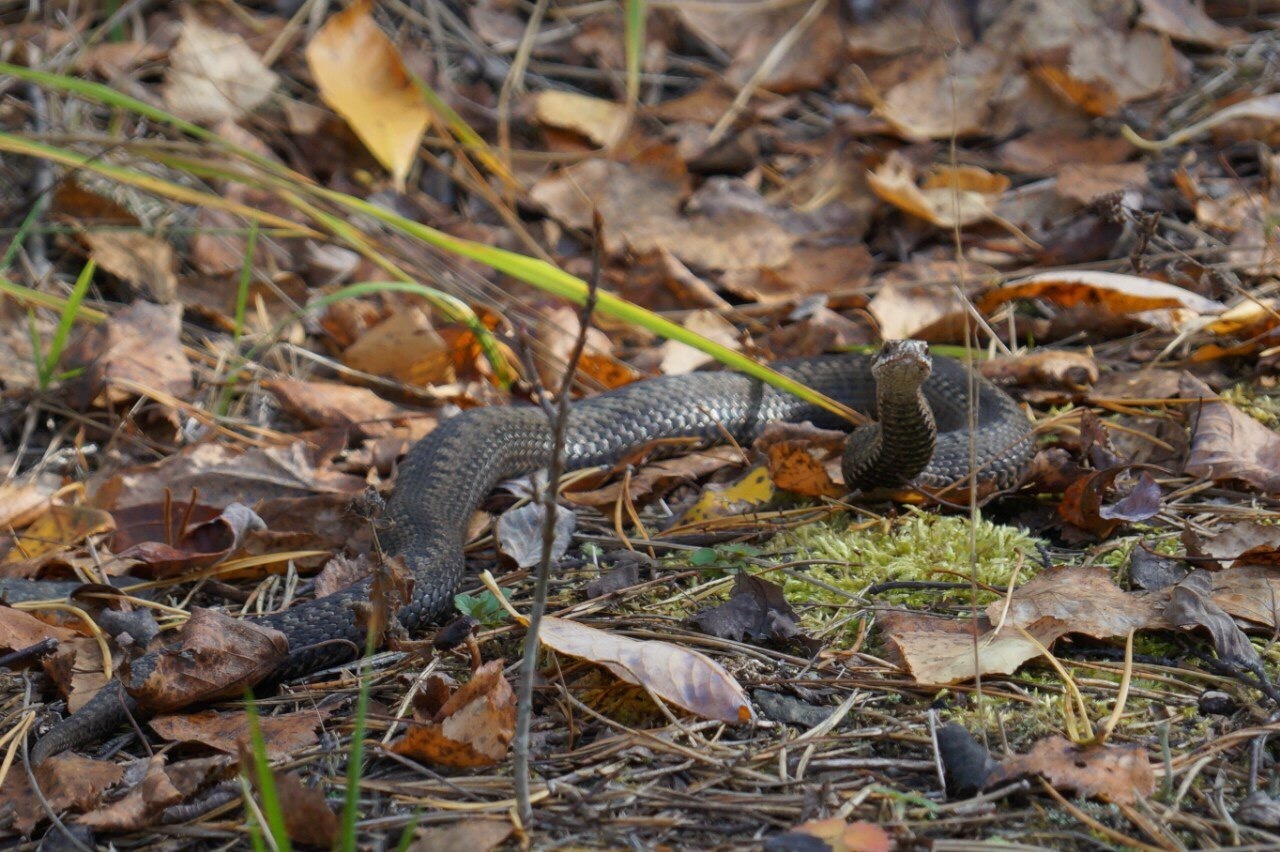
{"points": [[922, 436]]}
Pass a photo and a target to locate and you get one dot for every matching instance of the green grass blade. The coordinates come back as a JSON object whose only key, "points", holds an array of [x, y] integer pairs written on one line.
{"points": [[462, 132], [633, 38], [530, 270], [355, 760], [271, 807], [246, 279], [551, 279], [33, 335], [451, 307], [65, 321], [28, 222], [110, 97], [406, 836], [28, 296], [149, 183]]}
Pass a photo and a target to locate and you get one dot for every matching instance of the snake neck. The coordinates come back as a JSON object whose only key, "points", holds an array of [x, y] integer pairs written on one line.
{"points": [[899, 446]]}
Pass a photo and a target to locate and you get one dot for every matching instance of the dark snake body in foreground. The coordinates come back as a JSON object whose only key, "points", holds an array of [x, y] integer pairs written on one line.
{"points": [[922, 437]]}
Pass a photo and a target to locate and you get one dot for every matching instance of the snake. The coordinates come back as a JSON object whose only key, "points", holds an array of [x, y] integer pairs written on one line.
{"points": [[935, 424]]}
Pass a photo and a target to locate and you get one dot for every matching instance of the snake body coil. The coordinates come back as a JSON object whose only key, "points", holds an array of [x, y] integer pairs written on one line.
{"points": [[924, 437]]}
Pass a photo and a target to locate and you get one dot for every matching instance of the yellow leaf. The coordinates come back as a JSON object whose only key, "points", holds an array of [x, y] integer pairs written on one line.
{"points": [[753, 490], [603, 122], [360, 74]]}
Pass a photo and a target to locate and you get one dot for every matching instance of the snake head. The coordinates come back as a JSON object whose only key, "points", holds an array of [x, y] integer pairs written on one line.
{"points": [[902, 363]]}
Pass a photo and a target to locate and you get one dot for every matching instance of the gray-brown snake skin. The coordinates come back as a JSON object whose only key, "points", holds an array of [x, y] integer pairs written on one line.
{"points": [[446, 475]]}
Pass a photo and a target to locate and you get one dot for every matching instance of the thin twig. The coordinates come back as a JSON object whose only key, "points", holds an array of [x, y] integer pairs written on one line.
{"points": [[560, 426]]}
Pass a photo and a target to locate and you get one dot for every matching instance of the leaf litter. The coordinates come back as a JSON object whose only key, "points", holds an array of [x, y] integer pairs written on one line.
{"points": [[1080, 183]]}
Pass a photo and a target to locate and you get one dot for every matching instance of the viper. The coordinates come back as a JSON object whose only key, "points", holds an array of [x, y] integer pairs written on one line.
{"points": [[935, 425]]}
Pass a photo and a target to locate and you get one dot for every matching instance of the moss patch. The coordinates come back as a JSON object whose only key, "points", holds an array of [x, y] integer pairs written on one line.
{"points": [[920, 546]]}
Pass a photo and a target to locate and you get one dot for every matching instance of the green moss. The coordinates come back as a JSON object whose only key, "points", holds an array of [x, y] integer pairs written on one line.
{"points": [[920, 546], [1260, 406]]}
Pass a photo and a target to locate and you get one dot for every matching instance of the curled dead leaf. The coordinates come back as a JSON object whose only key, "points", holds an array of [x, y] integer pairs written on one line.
{"points": [[214, 657], [1118, 774], [1111, 291], [682, 676], [473, 728]]}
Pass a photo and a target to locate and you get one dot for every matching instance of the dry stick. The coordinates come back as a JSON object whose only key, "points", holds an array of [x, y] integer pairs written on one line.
{"points": [[524, 704]]}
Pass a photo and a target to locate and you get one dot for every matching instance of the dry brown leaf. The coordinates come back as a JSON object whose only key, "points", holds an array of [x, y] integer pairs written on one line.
{"points": [[1111, 291], [656, 479], [138, 345], [77, 669], [111, 59], [890, 30], [1255, 118], [214, 657], [1085, 505], [841, 836], [1249, 592], [1047, 151], [341, 571], [1228, 444], [647, 205], [1118, 774], [1183, 20], [1054, 368], [218, 248], [750, 31], [1248, 319], [947, 197], [1191, 606], [1107, 68], [406, 347], [160, 788], [475, 834], [950, 97], [473, 728], [603, 122], [1241, 543], [389, 591], [206, 540], [59, 529], [213, 75], [823, 330], [1080, 600], [1083, 182], [658, 279], [679, 675], [940, 651], [145, 262], [224, 474], [905, 310], [361, 75], [679, 358], [335, 405], [67, 782], [283, 735], [815, 267], [308, 819], [1057, 602], [73, 202], [794, 467], [557, 331], [19, 630], [519, 533], [756, 611]]}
